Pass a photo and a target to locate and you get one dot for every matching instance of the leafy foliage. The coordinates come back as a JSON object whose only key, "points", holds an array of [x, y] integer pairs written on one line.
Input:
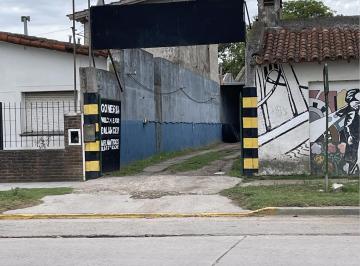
{"points": [[305, 9], [232, 57]]}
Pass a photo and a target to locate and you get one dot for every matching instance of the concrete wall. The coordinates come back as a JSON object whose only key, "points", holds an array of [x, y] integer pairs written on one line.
{"points": [[189, 107], [201, 59], [292, 118], [156, 113]]}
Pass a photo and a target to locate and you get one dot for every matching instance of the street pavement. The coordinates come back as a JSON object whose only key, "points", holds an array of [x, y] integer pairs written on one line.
{"points": [[194, 241]]}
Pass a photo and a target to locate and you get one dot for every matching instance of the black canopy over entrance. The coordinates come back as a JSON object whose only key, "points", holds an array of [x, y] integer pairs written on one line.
{"points": [[167, 24]]}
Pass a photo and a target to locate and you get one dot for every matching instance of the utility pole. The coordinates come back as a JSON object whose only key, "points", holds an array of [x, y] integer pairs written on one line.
{"points": [[74, 53], [25, 20], [89, 34], [326, 91]]}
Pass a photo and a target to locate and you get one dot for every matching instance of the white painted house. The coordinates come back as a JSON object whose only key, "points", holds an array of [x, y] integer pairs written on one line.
{"points": [[285, 65], [37, 88]]}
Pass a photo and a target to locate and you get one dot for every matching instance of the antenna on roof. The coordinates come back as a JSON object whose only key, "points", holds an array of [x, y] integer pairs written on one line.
{"points": [[25, 20]]}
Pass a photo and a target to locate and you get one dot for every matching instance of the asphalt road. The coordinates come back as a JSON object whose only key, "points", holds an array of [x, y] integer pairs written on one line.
{"points": [[221, 241]]}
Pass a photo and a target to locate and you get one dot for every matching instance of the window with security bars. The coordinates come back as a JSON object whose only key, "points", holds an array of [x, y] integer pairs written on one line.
{"points": [[36, 122]]}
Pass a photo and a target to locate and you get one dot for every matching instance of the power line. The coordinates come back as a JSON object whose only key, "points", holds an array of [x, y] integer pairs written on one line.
{"points": [[54, 31], [172, 92]]}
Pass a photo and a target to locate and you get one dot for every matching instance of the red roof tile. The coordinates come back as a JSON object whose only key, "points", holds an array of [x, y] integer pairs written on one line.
{"points": [[38, 42], [317, 44]]}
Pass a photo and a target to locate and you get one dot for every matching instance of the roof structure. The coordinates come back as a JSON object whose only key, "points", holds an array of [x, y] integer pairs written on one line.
{"points": [[44, 43], [315, 42], [81, 16]]}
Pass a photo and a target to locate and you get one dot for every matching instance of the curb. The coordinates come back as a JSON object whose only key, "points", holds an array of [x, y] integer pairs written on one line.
{"points": [[319, 211], [260, 212], [270, 211]]}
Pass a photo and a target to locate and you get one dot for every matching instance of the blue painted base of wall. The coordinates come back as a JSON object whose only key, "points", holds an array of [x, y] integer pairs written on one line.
{"points": [[138, 140]]}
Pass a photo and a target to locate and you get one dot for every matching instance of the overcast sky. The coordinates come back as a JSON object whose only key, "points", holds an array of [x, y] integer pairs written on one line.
{"points": [[48, 18]]}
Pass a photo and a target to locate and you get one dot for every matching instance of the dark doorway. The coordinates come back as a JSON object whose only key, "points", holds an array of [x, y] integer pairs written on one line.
{"points": [[230, 112]]}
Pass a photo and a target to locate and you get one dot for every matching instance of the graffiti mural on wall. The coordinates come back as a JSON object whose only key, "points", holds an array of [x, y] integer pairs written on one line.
{"points": [[344, 125], [283, 107], [286, 110]]}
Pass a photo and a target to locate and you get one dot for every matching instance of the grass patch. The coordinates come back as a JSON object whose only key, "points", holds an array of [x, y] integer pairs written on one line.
{"points": [[235, 169], [138, 166], [235, 172], [305, 195], [18, 198], [198, 162]]}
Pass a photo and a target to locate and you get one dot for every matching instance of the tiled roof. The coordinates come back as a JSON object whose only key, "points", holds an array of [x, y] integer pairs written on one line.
{"points": [[38, 42], [316, 44]]}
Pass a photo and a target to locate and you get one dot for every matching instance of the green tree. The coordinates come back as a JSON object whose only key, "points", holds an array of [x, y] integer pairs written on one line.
{"points": [[232, 57], [305, 9]]}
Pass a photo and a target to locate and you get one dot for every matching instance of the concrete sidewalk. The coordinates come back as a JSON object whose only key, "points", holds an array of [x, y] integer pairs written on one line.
{"points": [[139, 194], [9, 186]]}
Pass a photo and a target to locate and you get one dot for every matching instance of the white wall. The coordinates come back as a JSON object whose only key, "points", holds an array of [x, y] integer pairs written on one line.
{"points": [[284, 145], [28, 69]]}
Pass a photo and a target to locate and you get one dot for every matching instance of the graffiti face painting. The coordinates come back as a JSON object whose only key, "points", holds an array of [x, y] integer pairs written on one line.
{"points": [[344, 118]]}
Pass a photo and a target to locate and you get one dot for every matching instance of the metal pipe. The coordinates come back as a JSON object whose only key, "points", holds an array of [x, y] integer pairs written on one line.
{"points": [[74, 53], [25, 20], [326, 91], [89, 34], [115, 70]]}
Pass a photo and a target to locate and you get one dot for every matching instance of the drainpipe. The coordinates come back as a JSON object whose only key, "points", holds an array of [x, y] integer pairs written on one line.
{"points": [[74, 55]]}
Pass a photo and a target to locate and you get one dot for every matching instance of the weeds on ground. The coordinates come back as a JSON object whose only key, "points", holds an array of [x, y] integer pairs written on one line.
{"points": [[236, 172], [138, 166], [18, 198], [309, 194], [199, 161]]}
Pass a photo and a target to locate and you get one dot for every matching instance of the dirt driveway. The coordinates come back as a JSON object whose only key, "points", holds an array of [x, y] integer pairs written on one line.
{"points": [[149, 192]]}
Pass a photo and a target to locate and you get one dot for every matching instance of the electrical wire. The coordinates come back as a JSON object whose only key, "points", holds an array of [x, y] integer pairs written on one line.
{"points": [[150, 90], [44, 33], [172, 92]]}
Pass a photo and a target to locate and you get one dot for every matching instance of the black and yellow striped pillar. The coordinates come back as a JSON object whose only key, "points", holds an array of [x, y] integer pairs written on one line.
{"points": [[92, 149], [249, 131]]}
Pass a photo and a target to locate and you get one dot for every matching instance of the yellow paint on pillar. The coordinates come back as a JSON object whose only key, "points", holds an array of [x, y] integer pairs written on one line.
{"points": [[250, 102], [251, 143], [91, 109], [250, 122], [251, 163], [92, 166], [92, 146]]}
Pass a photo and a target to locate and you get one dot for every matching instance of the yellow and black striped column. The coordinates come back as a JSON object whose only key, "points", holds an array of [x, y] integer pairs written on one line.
{"points": [[92, 149], [250, 131]]}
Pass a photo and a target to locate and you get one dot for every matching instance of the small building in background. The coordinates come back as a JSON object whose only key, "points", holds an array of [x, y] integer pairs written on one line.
{"points": [[285, 62], [37, 88]]}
